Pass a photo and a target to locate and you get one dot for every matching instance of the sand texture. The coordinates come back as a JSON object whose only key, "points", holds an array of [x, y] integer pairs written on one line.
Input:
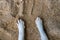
{"points": [[28, 10]]}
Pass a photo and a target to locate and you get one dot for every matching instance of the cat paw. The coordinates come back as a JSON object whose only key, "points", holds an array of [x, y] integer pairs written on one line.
{"points": [[38, 21], [20, 23]]}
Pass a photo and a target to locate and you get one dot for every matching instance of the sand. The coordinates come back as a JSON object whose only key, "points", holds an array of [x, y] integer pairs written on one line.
{"points": [[28, 10]]}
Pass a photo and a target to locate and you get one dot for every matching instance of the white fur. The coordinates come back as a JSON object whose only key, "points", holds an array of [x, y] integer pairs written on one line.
{"points": [[39, 25], [20, 25]]}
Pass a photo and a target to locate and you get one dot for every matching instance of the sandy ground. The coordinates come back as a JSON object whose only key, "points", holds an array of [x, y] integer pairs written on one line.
{"points": [[28, 10]]}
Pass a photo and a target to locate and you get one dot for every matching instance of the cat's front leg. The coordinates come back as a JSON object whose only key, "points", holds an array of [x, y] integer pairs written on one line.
{"points": [[21, 27], [39, 26]]}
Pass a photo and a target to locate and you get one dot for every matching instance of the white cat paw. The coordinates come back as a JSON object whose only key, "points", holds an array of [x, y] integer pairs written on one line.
{"points": [[20, 24], [38, 20]]}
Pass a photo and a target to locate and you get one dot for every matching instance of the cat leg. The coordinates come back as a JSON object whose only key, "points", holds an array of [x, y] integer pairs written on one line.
{"points": [[21, 26], [39, 26]]}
